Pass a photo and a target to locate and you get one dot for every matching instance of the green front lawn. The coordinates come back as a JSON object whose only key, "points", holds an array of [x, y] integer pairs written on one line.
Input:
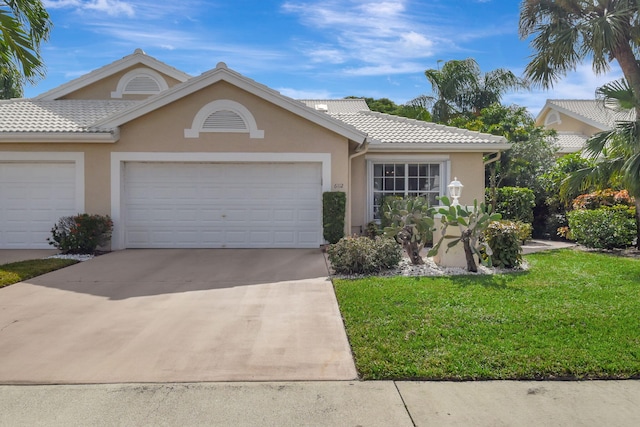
{"points": [[572, 315], [24, 270]]}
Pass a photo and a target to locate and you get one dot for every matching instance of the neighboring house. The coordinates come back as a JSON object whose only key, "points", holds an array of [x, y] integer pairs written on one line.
{"points": [[576, 120], [216, 160]]}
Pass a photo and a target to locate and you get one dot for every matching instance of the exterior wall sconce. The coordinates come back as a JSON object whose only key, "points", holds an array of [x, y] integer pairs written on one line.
{"points": [[455, 191]]}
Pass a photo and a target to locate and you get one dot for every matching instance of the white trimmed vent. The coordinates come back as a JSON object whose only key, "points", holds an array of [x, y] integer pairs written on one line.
{"points": [[224, 115], [142, 84], [141, 81], [224, 120]]}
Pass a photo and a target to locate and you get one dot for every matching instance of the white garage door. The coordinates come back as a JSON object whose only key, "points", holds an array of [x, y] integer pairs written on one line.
{"points": [[222, 205], [33, 197]]}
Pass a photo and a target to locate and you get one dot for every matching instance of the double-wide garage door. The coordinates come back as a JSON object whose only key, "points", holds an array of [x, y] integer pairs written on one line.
{"points": [[218, 205], [33, 196]]}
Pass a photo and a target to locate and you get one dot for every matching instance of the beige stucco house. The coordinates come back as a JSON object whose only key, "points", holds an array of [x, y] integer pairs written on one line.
{"points": [[576, 120], [216, 160]]}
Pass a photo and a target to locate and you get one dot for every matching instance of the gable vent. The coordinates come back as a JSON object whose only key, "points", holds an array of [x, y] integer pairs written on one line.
{"points": [[224, 119], [142, 84]]}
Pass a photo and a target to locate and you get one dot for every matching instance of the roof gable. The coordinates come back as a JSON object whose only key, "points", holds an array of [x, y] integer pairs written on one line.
{"points": [[589, 111], [223, 73], [137, 58]]}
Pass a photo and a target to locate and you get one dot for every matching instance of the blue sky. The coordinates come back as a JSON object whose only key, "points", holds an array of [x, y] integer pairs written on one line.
{"points": [[302, 48]]}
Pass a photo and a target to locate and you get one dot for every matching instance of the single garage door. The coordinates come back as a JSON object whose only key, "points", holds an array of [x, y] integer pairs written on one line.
{"points": [[34, 196], [222, 205]]}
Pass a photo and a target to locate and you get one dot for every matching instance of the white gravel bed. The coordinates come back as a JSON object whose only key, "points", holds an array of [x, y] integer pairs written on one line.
{"points": [[79, 257], [430, 268]]}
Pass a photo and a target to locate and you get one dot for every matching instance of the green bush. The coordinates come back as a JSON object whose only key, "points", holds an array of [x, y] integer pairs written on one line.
{"points": [[363, 255], [81, 234], [504, 240], [515, 203], [603, 228], [372, 229], [524, 231], [333, 209]]}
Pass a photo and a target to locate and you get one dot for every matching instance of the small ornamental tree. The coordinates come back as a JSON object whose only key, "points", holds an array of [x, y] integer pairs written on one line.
{"points": [[411, 224], [472, 223]]}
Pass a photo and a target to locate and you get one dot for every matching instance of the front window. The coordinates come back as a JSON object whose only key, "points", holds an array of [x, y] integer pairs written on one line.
{"points": [[405, 180]]}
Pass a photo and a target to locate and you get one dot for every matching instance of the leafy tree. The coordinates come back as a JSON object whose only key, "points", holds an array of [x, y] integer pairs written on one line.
{"points": [[414, 109], [616, 152], [533, 150], [24, 24], [11, 85], [460, 88]]}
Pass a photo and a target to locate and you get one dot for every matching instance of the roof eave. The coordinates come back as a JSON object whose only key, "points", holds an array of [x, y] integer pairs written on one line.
{"points": [[579, 117], [60, 137], [222, 73], [458, 147], [110, 69]]}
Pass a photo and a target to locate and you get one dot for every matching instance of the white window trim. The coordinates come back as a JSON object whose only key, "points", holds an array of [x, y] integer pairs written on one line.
{"points": [[118, 159], [124, 81], [224, 104], [443, 161], [53, 157]]}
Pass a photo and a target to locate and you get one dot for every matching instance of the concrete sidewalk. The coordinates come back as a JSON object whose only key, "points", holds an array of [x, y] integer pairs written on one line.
{"points": [[349, 403]]}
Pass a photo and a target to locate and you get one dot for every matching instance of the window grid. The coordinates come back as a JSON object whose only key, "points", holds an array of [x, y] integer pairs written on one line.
{"points": [[405, 180]]}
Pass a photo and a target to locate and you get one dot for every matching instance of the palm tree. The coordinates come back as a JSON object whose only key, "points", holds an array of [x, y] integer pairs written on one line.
{"points": [[616, 152], [567, 32], [24, 24], [11, 84], [460, 87]]}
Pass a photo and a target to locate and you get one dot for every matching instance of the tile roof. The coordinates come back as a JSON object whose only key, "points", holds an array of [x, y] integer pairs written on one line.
{"points": [[592, 110], [387, 129], [570, 142], [337, 106], [28, 115]]}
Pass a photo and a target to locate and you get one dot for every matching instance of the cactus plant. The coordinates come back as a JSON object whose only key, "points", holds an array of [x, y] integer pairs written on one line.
{"points": [[412, 225], [472, 223]]}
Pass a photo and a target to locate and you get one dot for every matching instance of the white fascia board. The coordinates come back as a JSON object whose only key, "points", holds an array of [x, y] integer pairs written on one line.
{"points": [[223, 74], [447, 147], [60, 137], [110, 69]]}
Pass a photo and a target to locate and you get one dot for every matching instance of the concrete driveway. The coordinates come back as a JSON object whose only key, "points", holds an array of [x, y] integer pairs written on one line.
{"points": [[173, 315]]}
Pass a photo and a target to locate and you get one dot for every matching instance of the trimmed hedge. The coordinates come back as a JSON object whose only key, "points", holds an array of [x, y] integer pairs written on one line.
{"points": [[515, 203], [333, 210], [364, 255], [603, 228], [504, 240]]}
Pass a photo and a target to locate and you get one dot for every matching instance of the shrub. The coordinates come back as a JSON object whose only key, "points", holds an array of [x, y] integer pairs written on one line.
{"points": [[333, 209], [515, 203], [504, 240], [362, 255], [602, 198], [411, 224], [524, 231], [372, 229], [81, 234], [603, 228]]}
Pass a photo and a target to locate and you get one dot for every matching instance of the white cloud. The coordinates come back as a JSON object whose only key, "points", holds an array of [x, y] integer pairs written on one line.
{"points": [[110, 7]]}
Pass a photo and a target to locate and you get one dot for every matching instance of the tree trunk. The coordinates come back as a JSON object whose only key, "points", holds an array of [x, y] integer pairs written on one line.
{"points": [[629, 65], [413, 251], [471, 262]]}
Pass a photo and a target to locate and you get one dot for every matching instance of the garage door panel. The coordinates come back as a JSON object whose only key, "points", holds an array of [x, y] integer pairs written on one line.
{"points": [[222, 205], [34, 196]]}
